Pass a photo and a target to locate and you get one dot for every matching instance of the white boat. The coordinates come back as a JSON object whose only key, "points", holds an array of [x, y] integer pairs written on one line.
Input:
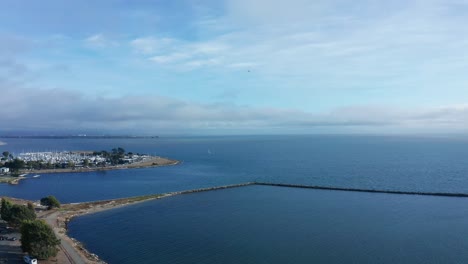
{"points": [[36, 176]]}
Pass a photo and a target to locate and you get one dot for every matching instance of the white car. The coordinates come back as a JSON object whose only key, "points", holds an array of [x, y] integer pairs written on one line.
{"points": [[29, 260]]}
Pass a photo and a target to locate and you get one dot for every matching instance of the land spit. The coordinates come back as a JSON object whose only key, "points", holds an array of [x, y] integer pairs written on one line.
{"points": [[59, 219], [151, 162]]}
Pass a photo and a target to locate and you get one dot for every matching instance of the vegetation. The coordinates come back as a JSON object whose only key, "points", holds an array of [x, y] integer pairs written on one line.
{"points": [[6, 155], [15, 165], [5, 209], [51, 202], [15, 214], [114, 157], [38, 239]]}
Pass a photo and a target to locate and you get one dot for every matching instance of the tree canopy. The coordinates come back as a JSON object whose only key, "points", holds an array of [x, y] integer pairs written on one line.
{"points": [[5, 209], [50, 201], [14, 214], [38, 239], [15, 165]]}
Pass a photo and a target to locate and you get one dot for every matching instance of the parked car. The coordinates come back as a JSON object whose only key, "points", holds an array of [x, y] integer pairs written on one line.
{"points": [[29, 260]]}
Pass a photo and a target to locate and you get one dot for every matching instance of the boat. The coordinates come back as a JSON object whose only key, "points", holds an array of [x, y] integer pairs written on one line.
{"points": [[36, 176]]}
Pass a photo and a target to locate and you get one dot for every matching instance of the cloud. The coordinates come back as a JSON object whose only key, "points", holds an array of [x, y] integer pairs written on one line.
{"points": [[366, 65], [99, 41], [182, 54], [55, 109], [171, 58], [151, 45]]}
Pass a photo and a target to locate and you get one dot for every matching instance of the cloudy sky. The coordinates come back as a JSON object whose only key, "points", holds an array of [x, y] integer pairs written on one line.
{"points": [[234, 66]]}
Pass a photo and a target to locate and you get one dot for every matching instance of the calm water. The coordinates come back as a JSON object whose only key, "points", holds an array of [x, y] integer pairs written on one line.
{"points": [[267, 224], [396, 163], [260, 224]]}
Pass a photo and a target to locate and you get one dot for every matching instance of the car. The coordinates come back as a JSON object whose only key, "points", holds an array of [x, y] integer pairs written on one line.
{"points": [[13, 239], [29, 260]]}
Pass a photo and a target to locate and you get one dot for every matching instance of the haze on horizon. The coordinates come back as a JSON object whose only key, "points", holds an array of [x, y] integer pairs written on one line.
{"points": [[234, 66]]}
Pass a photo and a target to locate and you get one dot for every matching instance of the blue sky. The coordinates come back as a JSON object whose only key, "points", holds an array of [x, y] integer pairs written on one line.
{"points": [[234, 66]]}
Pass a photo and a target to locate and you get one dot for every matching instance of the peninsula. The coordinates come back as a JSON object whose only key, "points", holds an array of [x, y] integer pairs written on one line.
{"points": [[16, 168]]}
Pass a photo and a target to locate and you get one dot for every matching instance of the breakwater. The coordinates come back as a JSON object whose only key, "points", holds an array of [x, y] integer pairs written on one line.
{"points": [[360, 190]]}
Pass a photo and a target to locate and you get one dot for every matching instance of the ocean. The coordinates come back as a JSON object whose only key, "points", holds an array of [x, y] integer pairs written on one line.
{"points": [[327, 226]]}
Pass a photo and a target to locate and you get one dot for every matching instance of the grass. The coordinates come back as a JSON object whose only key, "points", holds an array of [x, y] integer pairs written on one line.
{"points": [[7, 179]]}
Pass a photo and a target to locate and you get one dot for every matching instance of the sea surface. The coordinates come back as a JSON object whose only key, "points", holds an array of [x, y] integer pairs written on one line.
{"points": [[404, 163], [276, 225]]}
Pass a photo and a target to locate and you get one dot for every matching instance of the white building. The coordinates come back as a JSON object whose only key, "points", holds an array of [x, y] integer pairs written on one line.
{"points": [[4, 170]]}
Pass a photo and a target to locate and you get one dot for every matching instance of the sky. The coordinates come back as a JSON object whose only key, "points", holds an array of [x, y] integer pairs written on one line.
{"points": [[234, 66]]}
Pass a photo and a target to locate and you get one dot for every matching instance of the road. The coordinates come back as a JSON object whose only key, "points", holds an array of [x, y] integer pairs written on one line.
{"points": [[71, 253]]}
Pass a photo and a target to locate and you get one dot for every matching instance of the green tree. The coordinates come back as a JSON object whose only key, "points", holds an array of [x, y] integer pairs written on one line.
{"points": [[38, 239], [15, 165], [5, 210], [6, 154], [117, 155], [71, 164], [50, 201], [20, 213]]}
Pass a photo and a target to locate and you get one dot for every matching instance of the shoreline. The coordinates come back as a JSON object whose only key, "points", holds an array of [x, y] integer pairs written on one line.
{"points": [[152, 162]]}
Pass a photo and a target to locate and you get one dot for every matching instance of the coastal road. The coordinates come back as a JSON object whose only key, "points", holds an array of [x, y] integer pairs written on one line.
{"points": [[65, 244]]}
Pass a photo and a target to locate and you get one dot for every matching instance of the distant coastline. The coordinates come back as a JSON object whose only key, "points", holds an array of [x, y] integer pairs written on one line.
{"points": [[76, 137]]}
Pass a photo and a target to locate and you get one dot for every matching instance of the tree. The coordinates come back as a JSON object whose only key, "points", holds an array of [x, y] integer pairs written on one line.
{"points": [[71, 164], [38, 239], [15, 165], [117, 155], [51, 202], [20, 213], [14, 214], [5, 210], [6, 154]]}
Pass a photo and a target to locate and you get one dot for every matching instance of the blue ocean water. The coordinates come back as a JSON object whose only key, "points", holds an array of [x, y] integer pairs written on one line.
{"points": [[377, 162], [267, 224], [276, 225]]}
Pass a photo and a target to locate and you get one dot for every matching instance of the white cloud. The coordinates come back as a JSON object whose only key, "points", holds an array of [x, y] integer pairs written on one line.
{"points": [[99, 41], [151, 45], [75, 110], [173, 57]]}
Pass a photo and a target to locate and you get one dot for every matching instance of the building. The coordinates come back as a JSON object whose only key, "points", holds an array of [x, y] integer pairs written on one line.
{"points": [[4, 170]]}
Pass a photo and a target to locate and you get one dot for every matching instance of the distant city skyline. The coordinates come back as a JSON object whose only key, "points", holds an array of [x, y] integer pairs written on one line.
{"points": [[233, 67]]}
